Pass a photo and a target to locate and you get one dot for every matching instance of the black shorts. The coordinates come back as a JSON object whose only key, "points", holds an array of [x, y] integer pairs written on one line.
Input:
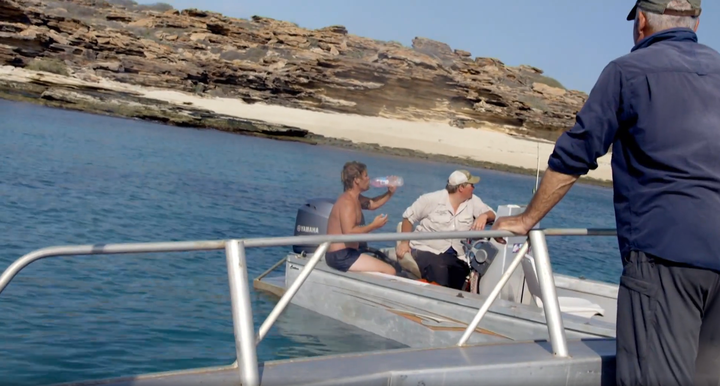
{"points": [[343, 259], [445, 269]]}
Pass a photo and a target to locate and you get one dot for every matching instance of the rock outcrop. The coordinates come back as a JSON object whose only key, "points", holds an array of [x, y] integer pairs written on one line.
{"points": [[277, 62]]}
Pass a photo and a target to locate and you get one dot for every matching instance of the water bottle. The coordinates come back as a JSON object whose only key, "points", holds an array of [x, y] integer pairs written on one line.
{"points": [[383, 182]]}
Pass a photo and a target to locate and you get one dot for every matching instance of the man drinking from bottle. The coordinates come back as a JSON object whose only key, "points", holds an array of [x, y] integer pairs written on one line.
{"points": [[346, 218]]}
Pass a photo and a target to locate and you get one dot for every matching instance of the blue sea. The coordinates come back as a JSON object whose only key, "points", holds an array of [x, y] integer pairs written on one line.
{"points": [[74, 178]]}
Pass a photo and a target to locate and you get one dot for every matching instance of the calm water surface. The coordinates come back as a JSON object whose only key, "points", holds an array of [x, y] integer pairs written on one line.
{"points": [[72, 178]]}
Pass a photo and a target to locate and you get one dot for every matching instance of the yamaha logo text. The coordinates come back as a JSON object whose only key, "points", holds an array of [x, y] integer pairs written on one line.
{"points": [[307, 229]]}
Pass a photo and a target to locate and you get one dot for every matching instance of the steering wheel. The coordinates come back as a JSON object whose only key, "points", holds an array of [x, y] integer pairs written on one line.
{"points": [[468, 244]]}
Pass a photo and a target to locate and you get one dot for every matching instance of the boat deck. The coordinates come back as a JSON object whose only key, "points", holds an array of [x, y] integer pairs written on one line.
{"points": [[592, 363]]}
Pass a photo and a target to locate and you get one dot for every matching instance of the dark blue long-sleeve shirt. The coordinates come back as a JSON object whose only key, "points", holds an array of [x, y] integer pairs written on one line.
{"points": [[659, 106]]}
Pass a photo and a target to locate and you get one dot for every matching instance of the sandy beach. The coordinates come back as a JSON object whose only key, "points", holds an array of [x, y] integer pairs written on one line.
{"points": [[430, 137], [487, 145]]}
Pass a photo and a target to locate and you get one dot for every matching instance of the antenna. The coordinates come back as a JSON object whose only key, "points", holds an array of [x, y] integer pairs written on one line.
{"points": [[537, 168]]}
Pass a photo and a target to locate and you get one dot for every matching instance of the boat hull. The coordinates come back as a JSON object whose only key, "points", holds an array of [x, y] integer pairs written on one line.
{"points": [[423, 315]]}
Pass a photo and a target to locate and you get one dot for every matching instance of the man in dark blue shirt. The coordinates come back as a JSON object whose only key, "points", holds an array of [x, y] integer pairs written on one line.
{"points": [[659, 106]]}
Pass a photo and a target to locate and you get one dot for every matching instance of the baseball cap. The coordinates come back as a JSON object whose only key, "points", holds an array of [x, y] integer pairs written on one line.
{"points": [[462, 177], [660, 6]]}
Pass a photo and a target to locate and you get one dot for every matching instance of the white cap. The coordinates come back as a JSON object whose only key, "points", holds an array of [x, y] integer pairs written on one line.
{"points": [[459, 177]]}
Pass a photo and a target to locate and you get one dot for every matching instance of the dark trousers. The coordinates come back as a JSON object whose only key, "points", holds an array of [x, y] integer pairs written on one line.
{"points": [[668, 323], [445, 269]]}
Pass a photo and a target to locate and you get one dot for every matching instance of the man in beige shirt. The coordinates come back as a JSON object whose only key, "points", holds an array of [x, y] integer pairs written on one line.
{"points": [[454, 208]]}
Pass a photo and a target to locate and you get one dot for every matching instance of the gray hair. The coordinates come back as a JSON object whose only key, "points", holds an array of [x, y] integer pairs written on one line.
{"points": [[658, 22]]}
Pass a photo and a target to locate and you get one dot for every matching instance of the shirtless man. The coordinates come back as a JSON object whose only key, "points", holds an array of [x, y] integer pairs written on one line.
{"points": [[346, 217]]}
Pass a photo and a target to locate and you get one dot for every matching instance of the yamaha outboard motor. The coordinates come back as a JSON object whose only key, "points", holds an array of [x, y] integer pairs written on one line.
{"points": [[312, 219]]}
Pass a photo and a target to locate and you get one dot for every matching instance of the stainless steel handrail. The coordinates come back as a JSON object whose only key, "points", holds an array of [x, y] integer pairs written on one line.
{"points": [[104, 249], [245, 350], [551, 303], [245, 339]]}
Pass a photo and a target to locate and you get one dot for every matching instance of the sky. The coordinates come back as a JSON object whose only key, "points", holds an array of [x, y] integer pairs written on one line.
{"points": [[572, 41]]}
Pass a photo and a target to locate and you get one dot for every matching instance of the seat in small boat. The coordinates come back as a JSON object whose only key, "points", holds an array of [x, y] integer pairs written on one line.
{"points": [[407, 262]]}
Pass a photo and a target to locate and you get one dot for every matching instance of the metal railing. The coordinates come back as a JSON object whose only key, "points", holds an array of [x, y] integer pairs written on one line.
{"points": [[245, 338]]}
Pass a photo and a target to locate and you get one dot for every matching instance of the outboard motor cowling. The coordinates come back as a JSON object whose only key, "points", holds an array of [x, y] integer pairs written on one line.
{"points": [[312, 219]]}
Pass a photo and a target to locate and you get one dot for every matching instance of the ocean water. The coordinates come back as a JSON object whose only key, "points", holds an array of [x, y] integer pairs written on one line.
{"points": [[73, 178]]}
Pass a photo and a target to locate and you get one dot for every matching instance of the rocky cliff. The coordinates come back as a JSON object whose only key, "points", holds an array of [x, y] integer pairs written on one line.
{"points": [[278, 62]]}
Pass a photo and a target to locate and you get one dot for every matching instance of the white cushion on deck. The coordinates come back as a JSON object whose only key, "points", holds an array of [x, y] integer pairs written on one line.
{"points": [[569, 305], [576, 306]]}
